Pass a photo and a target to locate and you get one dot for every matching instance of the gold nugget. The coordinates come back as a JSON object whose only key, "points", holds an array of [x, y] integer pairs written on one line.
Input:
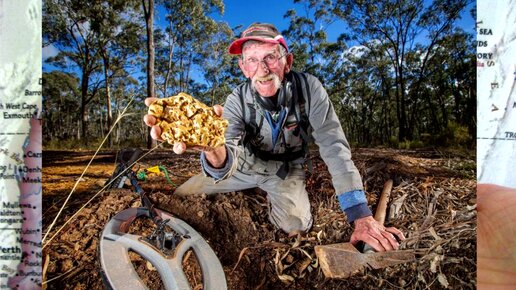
{"points": [[184, 119]]}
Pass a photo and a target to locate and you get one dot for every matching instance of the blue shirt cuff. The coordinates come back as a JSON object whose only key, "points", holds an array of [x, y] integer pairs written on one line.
{"points": [[216, 173], [354, 204], [358, 211], [351, 198]]}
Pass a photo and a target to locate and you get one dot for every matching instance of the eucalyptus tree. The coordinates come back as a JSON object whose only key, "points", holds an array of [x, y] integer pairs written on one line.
{"points": [[358, 87], [462, 70], [66, 26], [60, 100], [355, 76], [120, 33], [401, 25], [448, 92], [148, 13], [98, 40], [190, 34], [218, 66], [307, 36]]}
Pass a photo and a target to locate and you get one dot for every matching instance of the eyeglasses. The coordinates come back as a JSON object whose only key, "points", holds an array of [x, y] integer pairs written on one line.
{"points": [[270, 61]]}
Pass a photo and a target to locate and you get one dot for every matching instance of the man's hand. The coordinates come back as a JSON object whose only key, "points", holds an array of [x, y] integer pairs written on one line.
{"points": [[215, 156], [496, 232], [368, 230]]}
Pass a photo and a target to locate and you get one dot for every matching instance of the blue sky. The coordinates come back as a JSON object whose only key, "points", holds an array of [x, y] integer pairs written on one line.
{"points": [[239, 12], [269, 11]]}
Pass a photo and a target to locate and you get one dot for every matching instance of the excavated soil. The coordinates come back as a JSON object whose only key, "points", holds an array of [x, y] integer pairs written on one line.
{"points": [[433, 202]]}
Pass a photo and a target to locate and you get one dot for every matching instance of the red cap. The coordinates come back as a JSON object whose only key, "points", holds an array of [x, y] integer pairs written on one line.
{"points": [[258, 31]]}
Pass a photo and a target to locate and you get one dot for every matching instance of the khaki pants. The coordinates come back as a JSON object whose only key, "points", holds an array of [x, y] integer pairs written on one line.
{"points": [[289, 205]]}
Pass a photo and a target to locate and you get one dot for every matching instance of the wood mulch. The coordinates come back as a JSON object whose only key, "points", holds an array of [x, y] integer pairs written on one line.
{"points": [[433, 202]]}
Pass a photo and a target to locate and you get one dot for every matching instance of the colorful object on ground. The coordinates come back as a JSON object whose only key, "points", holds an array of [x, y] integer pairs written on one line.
{"points": [[142, 175]]}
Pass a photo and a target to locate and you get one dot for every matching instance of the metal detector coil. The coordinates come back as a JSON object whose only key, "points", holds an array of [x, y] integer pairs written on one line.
{"points": [[116, 242]]}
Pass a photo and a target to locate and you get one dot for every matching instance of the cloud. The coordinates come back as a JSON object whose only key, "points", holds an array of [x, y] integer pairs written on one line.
{"points": [[49, 51]]}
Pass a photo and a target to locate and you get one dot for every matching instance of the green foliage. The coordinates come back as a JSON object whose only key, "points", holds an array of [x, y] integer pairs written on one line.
{"points": [[411, 144], [192, 40], [57, 144], [455, 136], [398, 66], [393, 142], [60, 100]]}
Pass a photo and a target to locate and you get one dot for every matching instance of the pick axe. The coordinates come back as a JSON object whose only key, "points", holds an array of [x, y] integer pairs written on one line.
{"points": [[343, 260]]}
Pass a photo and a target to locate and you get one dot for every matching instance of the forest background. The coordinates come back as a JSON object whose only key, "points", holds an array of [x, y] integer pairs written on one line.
{"points": [[400, 73]]}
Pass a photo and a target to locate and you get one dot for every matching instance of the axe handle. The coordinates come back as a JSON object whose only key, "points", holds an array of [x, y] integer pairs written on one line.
{"points": [[381, 210]]}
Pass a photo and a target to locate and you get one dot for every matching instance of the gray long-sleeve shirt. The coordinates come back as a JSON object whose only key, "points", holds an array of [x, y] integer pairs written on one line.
{"points": [[325, 130]]}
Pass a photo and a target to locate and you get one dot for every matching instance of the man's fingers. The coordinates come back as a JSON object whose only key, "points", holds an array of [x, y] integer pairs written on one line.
{"points": [[382, 240], [149, 101], [179, 148], [156, 132], [149, 120], [379, 244], [391, 239], [385, 242], [218, 110], [397, 232], [371, 242]]}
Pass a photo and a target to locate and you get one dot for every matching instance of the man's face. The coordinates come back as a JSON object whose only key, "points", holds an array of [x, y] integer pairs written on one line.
{"points": [[265, 66]]}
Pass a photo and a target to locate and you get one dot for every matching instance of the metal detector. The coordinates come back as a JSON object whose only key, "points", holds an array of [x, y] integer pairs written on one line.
{"points": [[164, 248]]}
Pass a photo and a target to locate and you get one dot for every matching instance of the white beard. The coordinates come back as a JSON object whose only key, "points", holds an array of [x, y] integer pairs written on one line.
{"points": [[274, 77]]}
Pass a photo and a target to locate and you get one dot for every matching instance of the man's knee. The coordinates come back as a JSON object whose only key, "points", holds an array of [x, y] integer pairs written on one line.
{"points": [[290, 210], [291, 223]]}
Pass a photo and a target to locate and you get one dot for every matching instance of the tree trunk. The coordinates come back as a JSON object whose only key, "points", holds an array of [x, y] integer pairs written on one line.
{"points": [[101, 121], [84, 112], [404, 132], [190, 61], [181, 74], [171, 47], [109, 121], [149, 22]]}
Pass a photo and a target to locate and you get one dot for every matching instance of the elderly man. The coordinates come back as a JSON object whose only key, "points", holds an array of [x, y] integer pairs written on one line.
{"points": [[266, 141]]}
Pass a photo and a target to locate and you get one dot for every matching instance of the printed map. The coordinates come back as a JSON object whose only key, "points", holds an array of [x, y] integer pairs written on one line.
{"points": [[20, 144], [496, 81]]}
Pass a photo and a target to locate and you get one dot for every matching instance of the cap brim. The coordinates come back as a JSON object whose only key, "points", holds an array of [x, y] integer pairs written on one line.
{"points": [[236, 46]]}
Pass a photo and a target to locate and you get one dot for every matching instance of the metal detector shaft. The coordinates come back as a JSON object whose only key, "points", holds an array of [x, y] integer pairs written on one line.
{"points": [[145, 199], [123, 171], [118, 177]]}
